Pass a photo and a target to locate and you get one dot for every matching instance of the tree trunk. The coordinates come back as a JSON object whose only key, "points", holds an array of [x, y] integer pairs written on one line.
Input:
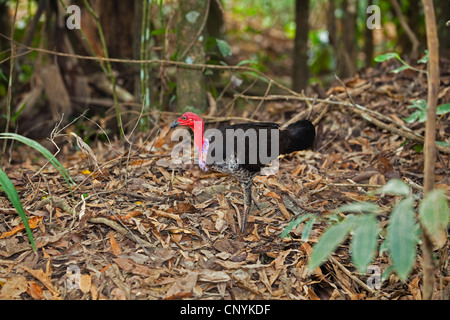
{"points": [[300, 73], [442, 13], [117, 19], [348, 65], [368, 45], [215, 23], [191, 49]]}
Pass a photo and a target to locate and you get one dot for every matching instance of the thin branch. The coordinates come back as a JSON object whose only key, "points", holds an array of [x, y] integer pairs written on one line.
{"points": [[430, 140], [161, 62]]}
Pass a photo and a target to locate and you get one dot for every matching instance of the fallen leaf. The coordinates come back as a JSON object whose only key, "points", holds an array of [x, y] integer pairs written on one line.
{"points": [[114, 246], [123, 263], [44, 278], [35, 290], [32, 222], [94, 292], [213, 276], [273, 195], [14, 287], [128, 216], [118, 294], [283, 210], [85, 283], [182, 286], [182, 208]]}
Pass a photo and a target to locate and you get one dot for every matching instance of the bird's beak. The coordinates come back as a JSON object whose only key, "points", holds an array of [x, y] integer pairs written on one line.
{"points": [[174, 124]]}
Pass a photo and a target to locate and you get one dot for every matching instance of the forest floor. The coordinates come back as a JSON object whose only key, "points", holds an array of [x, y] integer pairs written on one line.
{"points": [[145, 228]]}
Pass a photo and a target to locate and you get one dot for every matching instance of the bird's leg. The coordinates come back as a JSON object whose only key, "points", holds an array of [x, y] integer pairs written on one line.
{"points": [[247, 191]]}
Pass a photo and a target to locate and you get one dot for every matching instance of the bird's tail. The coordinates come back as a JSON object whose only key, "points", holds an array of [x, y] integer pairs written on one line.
{"points": [[297, 136]]}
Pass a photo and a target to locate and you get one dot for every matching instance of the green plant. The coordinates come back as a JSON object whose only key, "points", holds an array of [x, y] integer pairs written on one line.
{"points": [[12, 195], [420, 114], [8, 186], [405, 65], [399, 239]]}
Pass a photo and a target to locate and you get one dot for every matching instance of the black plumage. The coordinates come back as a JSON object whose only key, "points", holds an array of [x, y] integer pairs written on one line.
{"points": [[242, 150]]}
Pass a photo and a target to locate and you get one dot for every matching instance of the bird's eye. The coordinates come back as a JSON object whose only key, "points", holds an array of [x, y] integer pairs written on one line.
{"points": [[184, 118]]}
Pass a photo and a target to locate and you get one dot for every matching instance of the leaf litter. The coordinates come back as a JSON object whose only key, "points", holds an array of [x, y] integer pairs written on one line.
{"points": [[142, 228]]}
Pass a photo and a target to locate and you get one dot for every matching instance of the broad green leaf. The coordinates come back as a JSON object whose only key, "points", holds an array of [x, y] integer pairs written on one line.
{"points": [[364, 241], [424, 59], [418, 148], [224, 47], [413, 117], [420, 104], [386, 273], [11, 192], [443, 109], [307, 229], [244, 62], [443, 144], [434, 215], [367, 207], [399, 69], [422, 117], [396, 187], [328, 243], [293, 224], [387, 56], [402, 237]]}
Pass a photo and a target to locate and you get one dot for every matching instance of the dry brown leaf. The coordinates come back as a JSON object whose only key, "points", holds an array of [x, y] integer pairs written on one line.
{"points": [[124, 263], [44, 278], [128, 216], [14, 287], [118, 294], [32, 222], [142, 270], [213, 276], [94, 292], [414, 288], [230, 264], [182, 286], [35, 290], [168, 215], [279, 261], [165, 173], [114, 246], [312, 295], [283, 210], [85, 283], [182, 208], [273, 195]]}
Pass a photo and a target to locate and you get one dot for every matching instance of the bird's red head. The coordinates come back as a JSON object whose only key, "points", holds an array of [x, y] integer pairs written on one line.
{"points": [[187, 119], [193, 121]]}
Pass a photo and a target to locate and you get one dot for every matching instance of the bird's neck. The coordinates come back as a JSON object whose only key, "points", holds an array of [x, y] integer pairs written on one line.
{"points": [[199, 130], [201, 144]]}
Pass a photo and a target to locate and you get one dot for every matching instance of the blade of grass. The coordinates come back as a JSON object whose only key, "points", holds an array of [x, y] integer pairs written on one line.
{"points": [[38, 147], [11, 192]]}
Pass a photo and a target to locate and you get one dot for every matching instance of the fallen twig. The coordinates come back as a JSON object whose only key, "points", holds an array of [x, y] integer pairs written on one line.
{"points": [[353, 277]]}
